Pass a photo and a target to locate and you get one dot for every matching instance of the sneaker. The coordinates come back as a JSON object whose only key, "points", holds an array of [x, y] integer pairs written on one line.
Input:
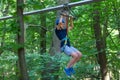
{"points": [[71, 70], [67, 72]]}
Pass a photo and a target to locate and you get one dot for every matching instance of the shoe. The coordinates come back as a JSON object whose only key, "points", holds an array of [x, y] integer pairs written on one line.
{"points": [[71, 70], [67, 72]]}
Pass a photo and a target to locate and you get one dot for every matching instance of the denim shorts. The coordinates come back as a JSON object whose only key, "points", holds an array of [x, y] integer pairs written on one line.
{"points": [[68, 50]]}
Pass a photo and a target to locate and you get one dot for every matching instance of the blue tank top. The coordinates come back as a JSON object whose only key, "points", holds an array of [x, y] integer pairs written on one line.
{"points": [[61, 34]]}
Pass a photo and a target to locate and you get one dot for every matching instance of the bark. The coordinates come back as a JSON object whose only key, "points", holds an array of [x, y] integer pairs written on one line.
{"points": [[100, 43], [44, 72], [23, 75]]}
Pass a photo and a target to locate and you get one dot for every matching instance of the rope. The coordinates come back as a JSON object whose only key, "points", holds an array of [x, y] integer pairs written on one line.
{"points": [[67, 7], [67, 24]]}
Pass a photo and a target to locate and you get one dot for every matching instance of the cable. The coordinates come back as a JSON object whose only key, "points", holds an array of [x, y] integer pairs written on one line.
{"points": [[67, 7]]}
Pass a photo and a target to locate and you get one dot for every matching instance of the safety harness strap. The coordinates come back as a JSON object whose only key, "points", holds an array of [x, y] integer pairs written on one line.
{"points": [[65, 39], [65, 43]]}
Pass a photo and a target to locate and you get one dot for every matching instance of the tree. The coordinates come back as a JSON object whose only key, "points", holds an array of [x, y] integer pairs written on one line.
{"points": [[55, 49], [43, 32], [43, 40], [20, 39], [100, 42]]}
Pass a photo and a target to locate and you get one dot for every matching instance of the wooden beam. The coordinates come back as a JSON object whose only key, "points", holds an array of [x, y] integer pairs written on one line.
{"points": [[54, 8]]}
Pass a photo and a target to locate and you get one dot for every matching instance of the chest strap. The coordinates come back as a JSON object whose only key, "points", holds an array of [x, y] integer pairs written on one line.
{"points": [[65, 39]]}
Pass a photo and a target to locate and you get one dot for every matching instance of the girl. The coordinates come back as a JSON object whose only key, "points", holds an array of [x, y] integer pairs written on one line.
{"points": [[61, 31]]}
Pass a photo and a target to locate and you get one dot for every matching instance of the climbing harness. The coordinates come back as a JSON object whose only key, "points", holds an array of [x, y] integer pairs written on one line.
{"points": [[65, 43]]}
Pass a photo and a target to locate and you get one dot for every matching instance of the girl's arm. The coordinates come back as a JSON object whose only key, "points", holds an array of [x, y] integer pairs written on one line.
{"points": [[60, 24]]}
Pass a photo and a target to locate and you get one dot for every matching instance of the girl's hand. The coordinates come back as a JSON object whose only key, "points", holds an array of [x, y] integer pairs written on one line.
{"points": [[71, 17]]}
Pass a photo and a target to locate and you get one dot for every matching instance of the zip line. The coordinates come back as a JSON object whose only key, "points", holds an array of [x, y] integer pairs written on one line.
{"points": [[54, 8]]}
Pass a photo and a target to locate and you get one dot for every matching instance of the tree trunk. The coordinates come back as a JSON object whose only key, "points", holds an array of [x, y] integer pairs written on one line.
{"points": [[100, 43], [44, 72], [43, 34], [55, 47], [23, 75]]}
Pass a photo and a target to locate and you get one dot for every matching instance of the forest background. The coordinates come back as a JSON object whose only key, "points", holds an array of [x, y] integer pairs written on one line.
{"points": [[31, 52]]}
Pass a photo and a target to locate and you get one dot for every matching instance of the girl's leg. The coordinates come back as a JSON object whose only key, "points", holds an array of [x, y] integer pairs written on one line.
{"points": [[74, 53], [78, 52], [80, 55], [74, 59]]}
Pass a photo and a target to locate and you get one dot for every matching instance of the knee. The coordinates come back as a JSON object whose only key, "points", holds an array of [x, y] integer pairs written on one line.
{"points": [[74, 55], [79, 55]]}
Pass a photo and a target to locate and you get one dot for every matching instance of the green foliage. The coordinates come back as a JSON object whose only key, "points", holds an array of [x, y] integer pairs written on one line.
{"points": [[82, 37], [7, 66], [37, 64]]}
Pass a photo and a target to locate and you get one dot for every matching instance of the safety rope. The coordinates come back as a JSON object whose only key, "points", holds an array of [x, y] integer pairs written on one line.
{"points": [[67, 24], [67, 7]]}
